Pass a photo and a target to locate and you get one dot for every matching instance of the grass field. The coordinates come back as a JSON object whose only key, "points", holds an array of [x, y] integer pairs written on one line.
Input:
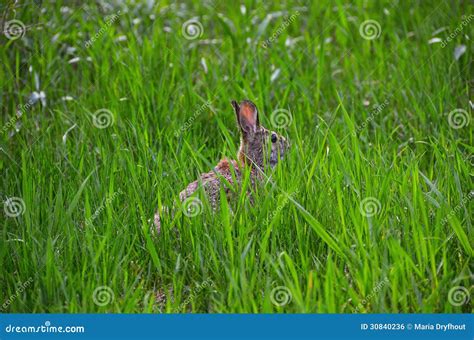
{"points": [[109, 111]]}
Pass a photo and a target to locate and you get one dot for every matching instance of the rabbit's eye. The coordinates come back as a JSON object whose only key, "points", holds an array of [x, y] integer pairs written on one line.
{"points": [[274, 138]]}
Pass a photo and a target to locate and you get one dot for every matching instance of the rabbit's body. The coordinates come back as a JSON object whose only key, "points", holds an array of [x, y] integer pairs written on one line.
{"points": [[225, 171], [259, 148]]}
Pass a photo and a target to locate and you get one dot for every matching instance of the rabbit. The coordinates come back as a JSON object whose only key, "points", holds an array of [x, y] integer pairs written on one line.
{"points": [[253, 154]]}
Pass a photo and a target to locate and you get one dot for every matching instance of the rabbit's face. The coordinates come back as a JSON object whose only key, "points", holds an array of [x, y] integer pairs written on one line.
{"points": [[259, 146], [279, 146]]}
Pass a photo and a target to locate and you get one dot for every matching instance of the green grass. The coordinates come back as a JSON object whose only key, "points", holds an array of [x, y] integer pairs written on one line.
{"points": [[89, 194]]}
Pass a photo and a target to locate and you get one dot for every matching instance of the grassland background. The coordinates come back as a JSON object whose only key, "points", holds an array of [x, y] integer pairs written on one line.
{"points": [[327, 255]]}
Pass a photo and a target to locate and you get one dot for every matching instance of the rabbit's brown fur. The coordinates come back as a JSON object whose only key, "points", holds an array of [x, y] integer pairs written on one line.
{"points": [[211, 181], [254, 153]]}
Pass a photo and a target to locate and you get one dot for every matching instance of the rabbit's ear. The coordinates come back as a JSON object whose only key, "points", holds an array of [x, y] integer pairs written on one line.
{"points": [[236, 109], [247, 116]]}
